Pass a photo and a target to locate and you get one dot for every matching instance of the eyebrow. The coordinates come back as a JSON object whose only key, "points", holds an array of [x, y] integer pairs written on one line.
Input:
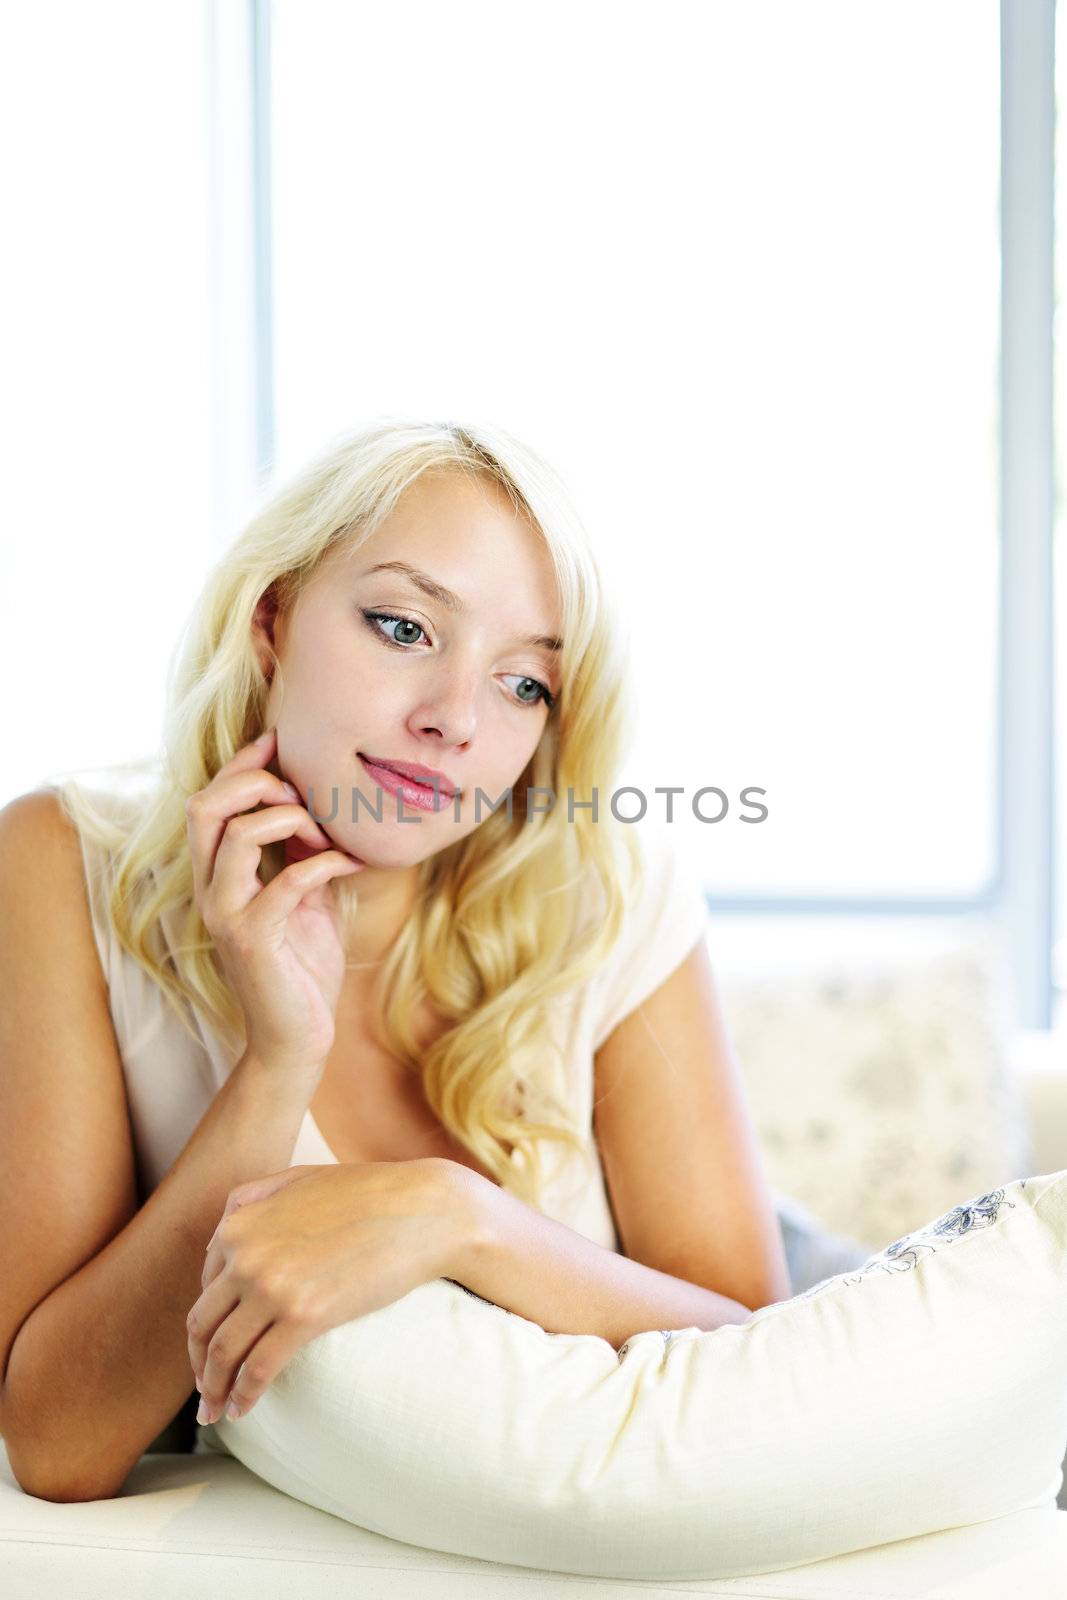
{"points": [[452, 601]]}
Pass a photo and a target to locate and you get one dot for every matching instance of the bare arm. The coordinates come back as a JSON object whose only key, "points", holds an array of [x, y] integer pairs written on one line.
{"points": [[102, 1363], [679, 1146], [96, 1293], [686, 1182], [539, 1268]]}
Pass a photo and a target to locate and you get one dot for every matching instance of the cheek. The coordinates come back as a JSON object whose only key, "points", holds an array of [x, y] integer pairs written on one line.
{"points": [[344, 682], [517, 744]]}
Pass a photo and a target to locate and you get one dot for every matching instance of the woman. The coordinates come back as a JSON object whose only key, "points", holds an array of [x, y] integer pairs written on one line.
{"points": [[316, 1031]]}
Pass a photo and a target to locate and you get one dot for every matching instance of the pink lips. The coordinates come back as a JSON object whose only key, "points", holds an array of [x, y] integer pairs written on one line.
{"points": [[419, 795], [416, 772]]}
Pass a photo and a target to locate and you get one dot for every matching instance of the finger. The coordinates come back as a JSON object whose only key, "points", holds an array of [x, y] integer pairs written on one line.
{"points": [[234, 881], [206, 1316], [229, 1346], [214, 1261], [259, 1188], [245, 1194], [285, 892], [272, 1352], [214, 811], [215, 1254], [262, 747], [256, 753], [209, 811]]}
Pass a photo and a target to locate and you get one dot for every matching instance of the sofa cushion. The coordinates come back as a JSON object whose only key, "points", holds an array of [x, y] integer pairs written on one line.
{"points": [[203, 1524], [879, 1085]]}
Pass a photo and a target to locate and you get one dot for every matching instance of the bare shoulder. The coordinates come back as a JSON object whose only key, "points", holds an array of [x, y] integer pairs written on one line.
{"points": [[36, 820], [37, 808], [67, 1168], [40, 855]]}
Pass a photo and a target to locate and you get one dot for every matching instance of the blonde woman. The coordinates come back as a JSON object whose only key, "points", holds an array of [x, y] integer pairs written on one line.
{"points": [[287, 1032]]}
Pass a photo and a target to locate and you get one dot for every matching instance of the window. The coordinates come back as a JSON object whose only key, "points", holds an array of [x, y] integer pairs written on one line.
{"points": [[767, 288], [758, 333], [113, 374]]}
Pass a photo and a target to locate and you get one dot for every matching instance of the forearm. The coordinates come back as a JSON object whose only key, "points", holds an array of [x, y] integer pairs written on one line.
{"points": [[539, 1268], [102, 1364]]}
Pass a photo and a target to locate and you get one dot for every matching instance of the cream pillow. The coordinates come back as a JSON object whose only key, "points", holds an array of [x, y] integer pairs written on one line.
{"points": [[923, 1390]]}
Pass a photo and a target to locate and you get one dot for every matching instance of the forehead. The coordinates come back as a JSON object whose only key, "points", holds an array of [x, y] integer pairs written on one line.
{"points": [[442, 505], [465, 532]]}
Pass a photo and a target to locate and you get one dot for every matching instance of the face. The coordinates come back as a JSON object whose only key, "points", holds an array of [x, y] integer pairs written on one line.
{"points": [[377, 669]]}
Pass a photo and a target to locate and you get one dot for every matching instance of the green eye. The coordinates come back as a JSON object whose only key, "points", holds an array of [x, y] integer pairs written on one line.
{"points": [[373, 618], [540, 693], [405, 622]]}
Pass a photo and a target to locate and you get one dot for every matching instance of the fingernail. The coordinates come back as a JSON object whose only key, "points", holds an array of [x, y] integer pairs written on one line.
{"points": [[233, 1410], [202, 1412], [290, 790]]}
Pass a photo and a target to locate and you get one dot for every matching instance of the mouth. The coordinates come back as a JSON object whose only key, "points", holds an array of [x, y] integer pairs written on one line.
{"points": [[412, 772], [421, 785]]}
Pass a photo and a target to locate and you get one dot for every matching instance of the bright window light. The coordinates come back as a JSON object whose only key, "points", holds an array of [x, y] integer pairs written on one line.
{"points": [[736, 274]]}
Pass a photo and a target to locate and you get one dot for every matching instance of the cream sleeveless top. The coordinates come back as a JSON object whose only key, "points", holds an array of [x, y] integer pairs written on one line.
{"points": [[171, 1079]]}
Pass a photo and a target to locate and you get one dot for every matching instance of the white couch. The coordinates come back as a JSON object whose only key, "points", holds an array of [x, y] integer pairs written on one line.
{"points": [[202, 1522]]}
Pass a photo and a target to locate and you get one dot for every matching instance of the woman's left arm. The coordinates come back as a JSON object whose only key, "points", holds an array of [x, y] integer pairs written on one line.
{"points": [[544, 1271], [682, 1164], [679, 1146]]}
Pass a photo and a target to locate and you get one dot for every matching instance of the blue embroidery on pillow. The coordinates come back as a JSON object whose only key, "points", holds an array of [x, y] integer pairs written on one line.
{"points": [[903, 1254]]}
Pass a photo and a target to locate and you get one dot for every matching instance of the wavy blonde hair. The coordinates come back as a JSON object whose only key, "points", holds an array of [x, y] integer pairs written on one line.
{"points": [[498, 930]]}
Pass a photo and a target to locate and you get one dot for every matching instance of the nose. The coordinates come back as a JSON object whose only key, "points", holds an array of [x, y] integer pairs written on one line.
{"points": [[450, 712]]}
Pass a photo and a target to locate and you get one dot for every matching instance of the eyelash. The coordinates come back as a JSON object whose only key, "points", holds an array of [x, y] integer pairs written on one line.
{"points": [[374, 617]]}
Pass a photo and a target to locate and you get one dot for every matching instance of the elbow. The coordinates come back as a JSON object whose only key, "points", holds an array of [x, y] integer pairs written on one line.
{"points": [[41, 1484], [755, 1293], [46, 1480], [49, 1463], [768, 1294], [767, 1281]]}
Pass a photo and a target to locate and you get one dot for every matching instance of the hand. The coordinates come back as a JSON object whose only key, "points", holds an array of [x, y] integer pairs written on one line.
{"points": [[280, 945], [302, 1251]]}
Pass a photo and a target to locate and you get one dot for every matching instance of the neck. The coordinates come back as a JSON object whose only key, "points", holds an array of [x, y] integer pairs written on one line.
{"points": [[385, 898]]}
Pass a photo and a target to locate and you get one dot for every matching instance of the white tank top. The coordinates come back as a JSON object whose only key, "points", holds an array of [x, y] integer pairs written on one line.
{"points": [[171, 1079]]}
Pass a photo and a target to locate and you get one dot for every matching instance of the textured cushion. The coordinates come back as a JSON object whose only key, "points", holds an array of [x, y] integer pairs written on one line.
{"points": [[881, 1090], [188, 1526], [925, 1390]]}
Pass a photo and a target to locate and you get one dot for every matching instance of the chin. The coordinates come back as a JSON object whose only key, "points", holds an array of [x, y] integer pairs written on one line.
{"points": [[406, 845], [386, 853]]}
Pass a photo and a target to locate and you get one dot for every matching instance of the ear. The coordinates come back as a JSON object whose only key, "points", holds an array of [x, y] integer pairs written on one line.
{"points": [[264, 621]]}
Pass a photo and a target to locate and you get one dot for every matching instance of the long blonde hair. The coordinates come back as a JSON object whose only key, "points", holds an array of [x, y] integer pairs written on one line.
{"points": [[498, 929]]}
